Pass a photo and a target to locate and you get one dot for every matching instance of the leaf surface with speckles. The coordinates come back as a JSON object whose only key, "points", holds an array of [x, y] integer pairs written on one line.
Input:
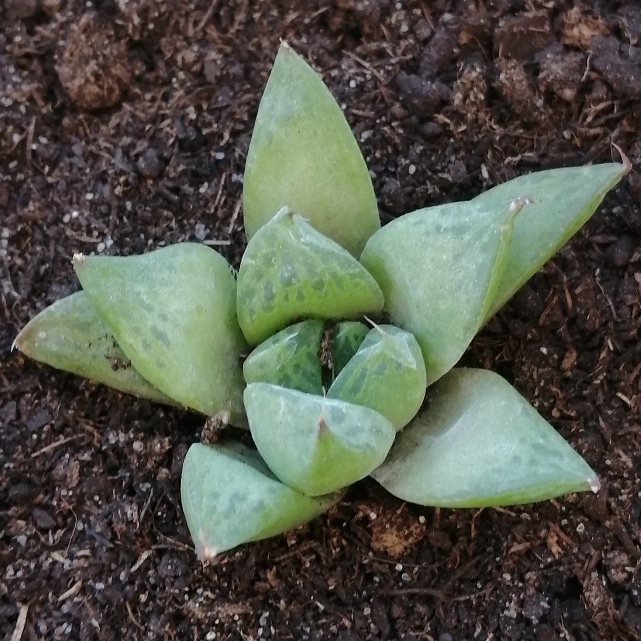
{"points": [[173, 313], [230, 497], [479, 443], [292, 272]]}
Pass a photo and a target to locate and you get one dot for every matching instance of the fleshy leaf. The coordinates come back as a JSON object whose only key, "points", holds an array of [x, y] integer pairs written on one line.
{"points": [[439, 268], [561, 201], [479, 444], [346, 339], [289, 359], [290, 272], [229, 497], [387, 374], [172, 311], [304, 155], [69, 335], [313, 444]]}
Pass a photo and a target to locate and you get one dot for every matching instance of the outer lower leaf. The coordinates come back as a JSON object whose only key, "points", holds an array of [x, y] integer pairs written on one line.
{"points": [[173, 313], [303, 155], [69, 335], [439, 268], [387, 374], [289, 359], [290, 271], [562, 200], [480, 444], [314, 444], [230, 497], [346, 339]]}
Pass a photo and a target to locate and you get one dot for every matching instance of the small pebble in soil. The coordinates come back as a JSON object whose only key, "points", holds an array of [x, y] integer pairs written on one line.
{"points": [[620, 252], [189, 137], [42, 519], [149, 164], [421, 97]]}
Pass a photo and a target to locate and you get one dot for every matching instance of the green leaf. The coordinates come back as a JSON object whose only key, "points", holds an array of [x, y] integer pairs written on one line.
{"points": [[439, 268], [291, 272], [303, 155], [481, 444], [289, 359], [313, 444], [229, 497], [346, 339], [387, 374], [69, 335], [172, 311], [561, 201]]}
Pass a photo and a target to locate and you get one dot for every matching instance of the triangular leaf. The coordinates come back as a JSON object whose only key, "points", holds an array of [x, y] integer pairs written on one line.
{"points": [[387, 374], [304, 155], [291, 272], [481, 444], [561, 201], [346, 339], [229, 497], [289, 359], [439, 268], [69, 335], [314, 444], [172, 311]]}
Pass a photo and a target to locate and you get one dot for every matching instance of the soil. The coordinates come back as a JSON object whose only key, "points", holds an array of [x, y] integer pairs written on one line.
{"points": [[124, 126]]}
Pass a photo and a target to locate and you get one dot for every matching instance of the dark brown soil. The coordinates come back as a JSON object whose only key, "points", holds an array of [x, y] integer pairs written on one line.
{"points": [[124, 125]]}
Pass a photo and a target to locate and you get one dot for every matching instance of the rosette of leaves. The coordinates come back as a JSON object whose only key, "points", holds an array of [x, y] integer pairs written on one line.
{"points": [[391, 310]]}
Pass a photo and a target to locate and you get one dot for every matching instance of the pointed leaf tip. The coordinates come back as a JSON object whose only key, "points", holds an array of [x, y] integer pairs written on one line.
{"points": [[69, 335], [558, 203]]}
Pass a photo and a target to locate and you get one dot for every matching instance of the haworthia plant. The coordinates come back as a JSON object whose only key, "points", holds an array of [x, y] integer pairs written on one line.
{"points": [[324, 403]]}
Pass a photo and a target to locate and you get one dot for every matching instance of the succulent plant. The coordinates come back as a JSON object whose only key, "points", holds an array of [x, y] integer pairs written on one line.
{"points": [[334, 328]]}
